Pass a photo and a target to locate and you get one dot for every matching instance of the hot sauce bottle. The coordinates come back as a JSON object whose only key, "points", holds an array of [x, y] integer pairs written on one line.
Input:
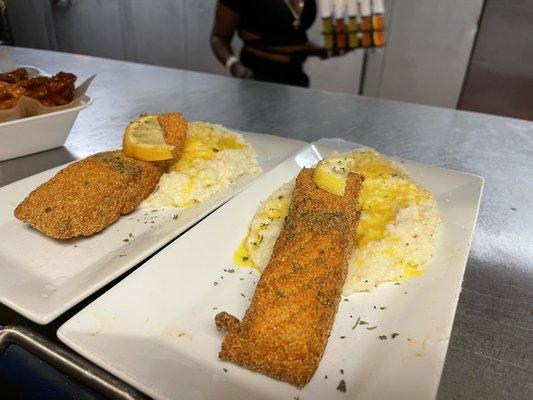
{"points": [[378, 35], [366, 23], [353, 40], [340, 27], [327, 25]]}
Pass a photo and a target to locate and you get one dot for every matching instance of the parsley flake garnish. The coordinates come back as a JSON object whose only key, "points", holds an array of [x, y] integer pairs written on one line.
{"points": [[382, 337], [342, 386], [394, 335]]}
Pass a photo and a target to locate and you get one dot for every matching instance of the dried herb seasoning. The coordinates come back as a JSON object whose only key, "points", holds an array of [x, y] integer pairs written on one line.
{"points": [[342, 386]]}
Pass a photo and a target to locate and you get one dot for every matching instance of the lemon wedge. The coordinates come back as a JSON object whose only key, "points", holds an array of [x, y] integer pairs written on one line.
{"points": [[331, 174], [144, 139]]}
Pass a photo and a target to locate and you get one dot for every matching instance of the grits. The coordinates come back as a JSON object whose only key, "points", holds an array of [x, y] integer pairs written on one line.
{"points": [[213, 158], [395, 236]]}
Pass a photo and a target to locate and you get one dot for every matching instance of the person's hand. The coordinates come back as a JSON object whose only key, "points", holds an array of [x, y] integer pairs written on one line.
{"points": [[312, 49], [324, 53], [239, 70], [334, 53]]}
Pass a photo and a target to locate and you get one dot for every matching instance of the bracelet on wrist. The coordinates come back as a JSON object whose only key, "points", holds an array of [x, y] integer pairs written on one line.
{"points": [[231, 60]]}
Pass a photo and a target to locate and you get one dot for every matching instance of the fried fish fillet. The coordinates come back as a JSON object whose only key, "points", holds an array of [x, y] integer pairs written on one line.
{"points": [[175, 130], [285, 331], [89, 195]]}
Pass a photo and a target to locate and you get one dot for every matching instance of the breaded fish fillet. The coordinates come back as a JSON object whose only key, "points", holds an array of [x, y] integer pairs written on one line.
{"points": [[89, 195], [285, 331], [175, 129]]}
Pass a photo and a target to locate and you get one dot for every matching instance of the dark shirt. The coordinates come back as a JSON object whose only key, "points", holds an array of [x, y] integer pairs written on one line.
{"points": [[272, 20]]}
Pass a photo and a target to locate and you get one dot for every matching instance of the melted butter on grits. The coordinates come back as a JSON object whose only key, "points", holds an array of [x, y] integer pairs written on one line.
{"points": [[395, 236], [213, 158]]}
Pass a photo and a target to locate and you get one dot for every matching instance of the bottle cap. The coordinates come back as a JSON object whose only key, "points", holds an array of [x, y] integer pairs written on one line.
{"points": [[325, 8], [351, 6], [339, 9], [378, 7], [365, 8]]}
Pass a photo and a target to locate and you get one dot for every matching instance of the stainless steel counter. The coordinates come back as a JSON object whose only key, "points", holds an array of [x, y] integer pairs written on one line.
{"points": [[491, 348]]}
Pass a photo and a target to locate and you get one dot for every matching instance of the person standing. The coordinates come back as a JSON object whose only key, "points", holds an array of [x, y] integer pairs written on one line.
{"points": [[275, 42]]}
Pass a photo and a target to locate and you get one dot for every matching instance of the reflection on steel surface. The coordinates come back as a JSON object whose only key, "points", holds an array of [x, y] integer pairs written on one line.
{"points": [[67, 362]]}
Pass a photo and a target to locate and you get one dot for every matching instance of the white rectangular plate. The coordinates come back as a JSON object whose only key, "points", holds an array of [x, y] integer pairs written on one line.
{"points": [[42, 277], [156, 330]]}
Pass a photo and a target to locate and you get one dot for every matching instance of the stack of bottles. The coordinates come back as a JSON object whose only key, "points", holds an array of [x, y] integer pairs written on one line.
{"points": [[352, 24]]}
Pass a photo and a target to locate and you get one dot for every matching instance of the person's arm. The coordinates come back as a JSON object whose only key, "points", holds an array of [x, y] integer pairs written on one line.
{"points": [[315, 50], [224, 27]]}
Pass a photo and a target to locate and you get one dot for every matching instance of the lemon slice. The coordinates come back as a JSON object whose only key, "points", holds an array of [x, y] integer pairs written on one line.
{"points": [[144, 139], [331, 174]]}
